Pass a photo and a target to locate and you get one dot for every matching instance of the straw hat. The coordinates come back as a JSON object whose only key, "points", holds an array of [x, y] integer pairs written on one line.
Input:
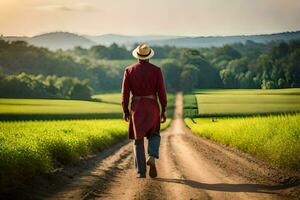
{"points": [[143, 52]]}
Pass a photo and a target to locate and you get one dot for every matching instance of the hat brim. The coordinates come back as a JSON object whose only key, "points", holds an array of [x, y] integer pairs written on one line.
{"points": [[137, 56]]}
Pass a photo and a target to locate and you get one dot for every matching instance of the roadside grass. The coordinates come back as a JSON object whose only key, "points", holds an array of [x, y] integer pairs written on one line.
{"points": [[271, 138], [263, 123], [171, 105], [32, 147], [36, 147], [239, 102]]}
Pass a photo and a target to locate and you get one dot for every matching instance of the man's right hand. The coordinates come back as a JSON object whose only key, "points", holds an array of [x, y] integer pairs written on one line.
{"points": [[163, 117], [126, 116]]}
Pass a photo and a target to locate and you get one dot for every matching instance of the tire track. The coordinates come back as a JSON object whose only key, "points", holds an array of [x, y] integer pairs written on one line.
{"points": [[91, 183]]}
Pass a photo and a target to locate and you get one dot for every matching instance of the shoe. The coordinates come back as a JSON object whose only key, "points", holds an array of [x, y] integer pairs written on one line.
{"points": [[150, 159], [151, 163], [141, 175]]}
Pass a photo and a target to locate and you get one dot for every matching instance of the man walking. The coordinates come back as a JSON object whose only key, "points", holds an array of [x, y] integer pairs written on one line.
{"points": [[145, 82]]}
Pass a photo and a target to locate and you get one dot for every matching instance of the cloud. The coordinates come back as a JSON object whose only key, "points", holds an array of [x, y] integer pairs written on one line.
{"points": [[82, 7]]}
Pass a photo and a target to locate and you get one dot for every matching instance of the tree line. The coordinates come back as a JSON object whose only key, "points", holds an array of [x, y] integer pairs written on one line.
{"points": [[249, 65], [30, 86], [114, 52], [41, 72], [84, 64], [18, 57]]}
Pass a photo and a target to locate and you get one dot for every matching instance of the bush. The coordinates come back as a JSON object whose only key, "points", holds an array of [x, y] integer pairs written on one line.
{"points": [[81, 91]]}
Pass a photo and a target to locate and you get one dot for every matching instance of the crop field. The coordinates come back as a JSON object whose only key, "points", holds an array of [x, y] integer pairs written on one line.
{"points": [[105, 106], [44, 109], [234, 118], [272, 138], [32, 147], [243, 102], [113, 98], [49, 106]]}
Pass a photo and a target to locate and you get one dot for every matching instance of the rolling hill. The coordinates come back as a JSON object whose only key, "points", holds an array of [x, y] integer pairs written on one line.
{"points": [[56, 40], [218, 41], [61, 40], [128, 40], [66, 40]]}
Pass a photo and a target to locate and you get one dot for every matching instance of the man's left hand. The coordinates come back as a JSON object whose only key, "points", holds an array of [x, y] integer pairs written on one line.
{"points": [[163, 117]]}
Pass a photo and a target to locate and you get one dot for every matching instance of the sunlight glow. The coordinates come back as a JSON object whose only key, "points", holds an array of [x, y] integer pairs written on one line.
{"points": [[175, 17]]}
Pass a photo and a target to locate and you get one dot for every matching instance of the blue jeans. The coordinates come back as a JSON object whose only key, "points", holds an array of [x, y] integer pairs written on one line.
{"points": [[139, 151]]}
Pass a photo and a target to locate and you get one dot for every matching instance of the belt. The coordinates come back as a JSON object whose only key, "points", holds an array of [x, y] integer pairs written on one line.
{"points": [[144, 97]]}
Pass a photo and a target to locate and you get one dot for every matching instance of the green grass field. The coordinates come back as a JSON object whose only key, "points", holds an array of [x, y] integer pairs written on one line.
{"points": [[272, 138], [245, 102], [52, 106], [113, 98], [49, 109], [105, 106]]}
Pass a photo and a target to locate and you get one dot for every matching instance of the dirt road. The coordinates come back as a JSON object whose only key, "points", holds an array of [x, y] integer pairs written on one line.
{"points": [[189, 168]]}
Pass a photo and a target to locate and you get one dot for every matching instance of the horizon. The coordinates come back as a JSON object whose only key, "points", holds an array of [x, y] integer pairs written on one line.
{"points": [[138, 18], [145, 35]]}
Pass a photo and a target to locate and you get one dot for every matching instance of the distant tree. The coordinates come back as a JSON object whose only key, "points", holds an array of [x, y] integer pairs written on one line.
{"points": [[279, 51], [294, 45], [228, 78], [281, 83], [208, 76], [65, 85], [80, 51], [267, 84], [227, 53], [116, 52], [81, 91], [174, 53], [172, 72], [112, 52], [292, 69], [189, 77], [163, 51], [99, 52]]}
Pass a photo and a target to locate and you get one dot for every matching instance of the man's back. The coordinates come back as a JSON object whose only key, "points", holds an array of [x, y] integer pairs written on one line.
{"points": [[144, 78]]}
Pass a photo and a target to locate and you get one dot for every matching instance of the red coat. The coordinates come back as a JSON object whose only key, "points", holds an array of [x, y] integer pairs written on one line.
{"points": [[143, 79]]}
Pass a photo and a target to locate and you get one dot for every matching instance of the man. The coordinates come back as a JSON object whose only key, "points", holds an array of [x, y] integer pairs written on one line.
{"points": [[145, 82]]}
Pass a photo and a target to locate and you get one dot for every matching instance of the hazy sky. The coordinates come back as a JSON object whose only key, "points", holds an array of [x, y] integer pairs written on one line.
{"points": [[134, 17]]}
